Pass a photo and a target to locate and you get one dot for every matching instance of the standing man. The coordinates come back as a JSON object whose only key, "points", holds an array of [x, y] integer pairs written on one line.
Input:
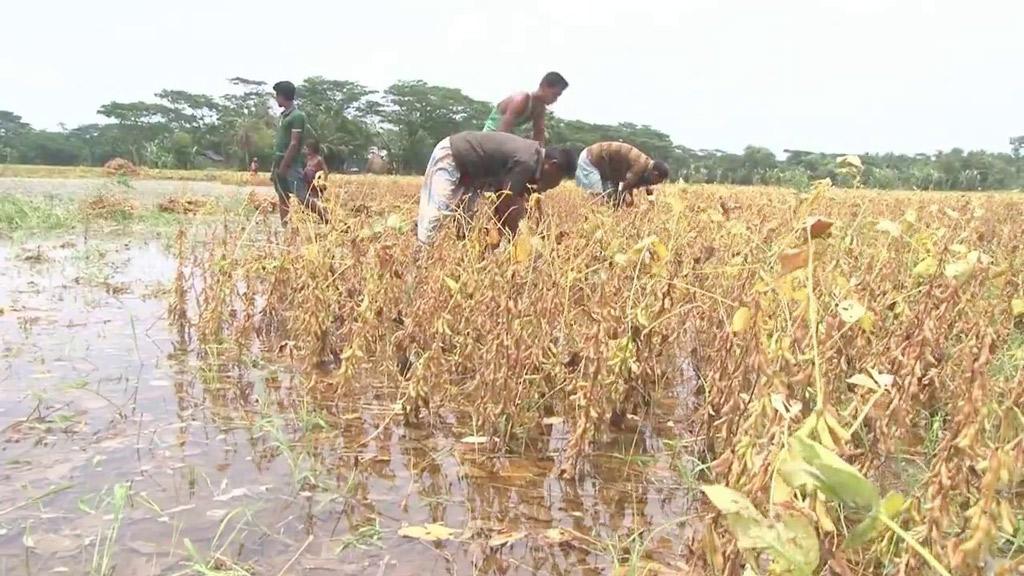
{"points": [[468, 162], [613, 170], [286, 173], [524, 108]]}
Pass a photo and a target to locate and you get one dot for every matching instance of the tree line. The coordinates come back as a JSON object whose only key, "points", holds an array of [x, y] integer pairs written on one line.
{"points": [[185, 130]]}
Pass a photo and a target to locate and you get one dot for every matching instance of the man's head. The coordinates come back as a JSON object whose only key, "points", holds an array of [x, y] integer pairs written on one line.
{"points": [[551, 87], [284, 93], [559, 164], [656, 174]]}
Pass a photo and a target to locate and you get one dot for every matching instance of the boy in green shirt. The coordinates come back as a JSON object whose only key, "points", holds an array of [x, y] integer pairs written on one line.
{"points": [[524, 108], [286, 173]]}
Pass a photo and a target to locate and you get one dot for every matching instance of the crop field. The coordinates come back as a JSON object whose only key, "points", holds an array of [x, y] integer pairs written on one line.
{"points": [[716, 380]]}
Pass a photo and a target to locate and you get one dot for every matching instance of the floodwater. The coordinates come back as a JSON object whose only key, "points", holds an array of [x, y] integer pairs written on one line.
{"points": [[122, 452], [146, 191]]}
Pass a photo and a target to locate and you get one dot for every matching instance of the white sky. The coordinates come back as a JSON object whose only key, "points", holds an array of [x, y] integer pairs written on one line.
{"points": [[829, 75]]}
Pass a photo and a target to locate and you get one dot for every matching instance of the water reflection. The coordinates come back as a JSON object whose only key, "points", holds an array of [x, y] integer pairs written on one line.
{"points": [[235, 469]]}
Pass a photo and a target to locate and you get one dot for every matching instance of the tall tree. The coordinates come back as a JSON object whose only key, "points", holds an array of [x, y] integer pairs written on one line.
{"points": [[419, 115], [11, 127], [139, 123], [336, 112]]}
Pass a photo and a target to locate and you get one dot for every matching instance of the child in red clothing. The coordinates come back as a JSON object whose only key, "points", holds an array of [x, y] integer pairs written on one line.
{"points": [[314, 165]]}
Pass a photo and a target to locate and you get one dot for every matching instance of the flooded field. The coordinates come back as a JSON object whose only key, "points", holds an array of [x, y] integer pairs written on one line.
{"points": [[188, 388], [123, 452], [148, 192]]}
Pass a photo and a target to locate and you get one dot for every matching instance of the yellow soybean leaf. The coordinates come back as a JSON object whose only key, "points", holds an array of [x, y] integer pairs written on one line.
{"points": [[824, 434], [889, 227], [867, 322], [659, 251], [452, 284], [824, 520], [883, 380], [729, 501], [504, 538], [836, 427], [781, 492], [789, 410], [535, 202], [522, 248], [1017, 307], [427, 532], [741, 320], [959, 270], [863, 380], [556, 536], [893, 504], [927, 267], [476, 440]]}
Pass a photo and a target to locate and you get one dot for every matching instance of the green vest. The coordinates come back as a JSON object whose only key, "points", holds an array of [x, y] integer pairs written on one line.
{"points": [[494, 120]]}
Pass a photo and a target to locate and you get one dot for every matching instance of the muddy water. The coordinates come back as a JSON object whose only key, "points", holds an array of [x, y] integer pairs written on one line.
{"points": [[147, 192], [228, 471]]}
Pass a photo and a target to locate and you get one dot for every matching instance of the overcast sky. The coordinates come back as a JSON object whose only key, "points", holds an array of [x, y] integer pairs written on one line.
{"points": [[829, 75]]}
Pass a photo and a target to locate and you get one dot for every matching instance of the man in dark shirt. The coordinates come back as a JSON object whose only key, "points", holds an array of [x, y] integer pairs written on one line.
{"points": [[465, 164]]}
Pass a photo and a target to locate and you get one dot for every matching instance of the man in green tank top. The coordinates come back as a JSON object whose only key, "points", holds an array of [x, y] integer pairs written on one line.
{"points": [[524, 108]]}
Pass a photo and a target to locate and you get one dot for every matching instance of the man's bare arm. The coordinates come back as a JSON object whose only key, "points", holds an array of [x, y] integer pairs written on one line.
{"points": [[513, 111], [632, 181], [293, 150], [539, 133]]}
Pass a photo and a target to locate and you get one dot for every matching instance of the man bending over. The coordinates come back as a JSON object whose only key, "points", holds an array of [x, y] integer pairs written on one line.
{"points": [[465, 164], [613, 170]]}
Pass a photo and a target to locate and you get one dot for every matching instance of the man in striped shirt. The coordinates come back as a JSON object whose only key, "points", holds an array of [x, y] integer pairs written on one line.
{"points": [[613, 170]]}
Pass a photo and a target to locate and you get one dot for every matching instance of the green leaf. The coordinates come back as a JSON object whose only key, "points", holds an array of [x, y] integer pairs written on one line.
{"points": [[863, 533], [796, 549], [822, 469], [792, 542], [729, 501], [745, 523]]}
